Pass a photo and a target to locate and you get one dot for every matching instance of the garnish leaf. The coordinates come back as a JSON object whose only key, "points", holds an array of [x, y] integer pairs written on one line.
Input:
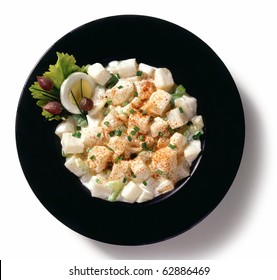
{"points": [[65, 65]]}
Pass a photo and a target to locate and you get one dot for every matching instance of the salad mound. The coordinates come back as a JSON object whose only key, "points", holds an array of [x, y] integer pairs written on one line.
{"points": [[127, 130]]}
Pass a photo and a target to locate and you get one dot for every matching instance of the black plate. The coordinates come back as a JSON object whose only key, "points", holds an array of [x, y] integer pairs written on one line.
{"points": [[193, 64]]}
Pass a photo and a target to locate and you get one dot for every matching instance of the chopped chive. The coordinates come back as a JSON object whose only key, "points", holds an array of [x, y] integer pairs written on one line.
{"points": [[196, 136], [116, 160], [161, 134], [98, 135], [111, 149], [78, 127], [112, 133], [120, 87], [92, 157], [172, 146], [159, 171], [88, 149], [133, 175], [132, 111], [136, 129], [77, 134], [139, 73], [136, 94], [118, 133], [125, 103], [143, 112], [98, 181], [133, 132], [124, 180], [117, 75], [129, 138], [181, 110], [144, 183], [106, 123], [189, 123], [141, 137], [144, 145], [109, 102]]}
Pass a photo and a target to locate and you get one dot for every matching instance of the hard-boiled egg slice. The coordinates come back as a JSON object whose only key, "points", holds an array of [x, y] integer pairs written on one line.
{"points": [[74, 88]]}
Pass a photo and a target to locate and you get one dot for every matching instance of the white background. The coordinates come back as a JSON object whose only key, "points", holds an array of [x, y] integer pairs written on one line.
{"points": [[243, 34]]}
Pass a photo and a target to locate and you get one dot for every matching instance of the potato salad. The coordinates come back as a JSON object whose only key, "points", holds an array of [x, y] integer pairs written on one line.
{"points": [[130, 133]]}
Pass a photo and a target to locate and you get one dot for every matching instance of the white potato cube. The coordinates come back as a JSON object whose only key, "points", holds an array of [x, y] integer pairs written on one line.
{"points": [[86, 180], [192, 150], [188, 104], [176, 119], [76, 166], [112, 120], [112, 66], [121, 92], [140, 170], [159, 102], [163, 79], [99, 97], [147, 69], [145, 195], [65, 126], [118, 144], [94, 118], [98, 158], [92, 136], [98, 188], [178, 140], [139, 120], [182, 170], [131, 192], [164, 187], [120, 171], [127, 68], [71, 144], [198, 122], [158, 125], [164, 161], [99, 73]]}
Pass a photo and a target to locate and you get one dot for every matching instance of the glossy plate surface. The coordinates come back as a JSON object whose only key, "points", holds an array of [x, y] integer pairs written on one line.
{"points": [[193, 64]]}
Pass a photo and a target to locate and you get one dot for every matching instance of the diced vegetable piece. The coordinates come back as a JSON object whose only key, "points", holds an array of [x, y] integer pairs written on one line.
{"points": [[182, 171], [127, 68], [164, 187], [164, 161], [158, 126], [92, 136], [71, 144], [116, 187], [121, 92], [98, 188], [145, 195], [138, 121], [179, 141], [75, 165], [118, 144], [112, 66], [158, 102], [163, 79], [144, 89], [99, 73], [120, 170], [198, 122], [147, 69], [131, 192], [140, 170], [175, 119], [112, 120], [65, 126], [188, 104], [98, 158], [99, 97], [192, 150]]}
